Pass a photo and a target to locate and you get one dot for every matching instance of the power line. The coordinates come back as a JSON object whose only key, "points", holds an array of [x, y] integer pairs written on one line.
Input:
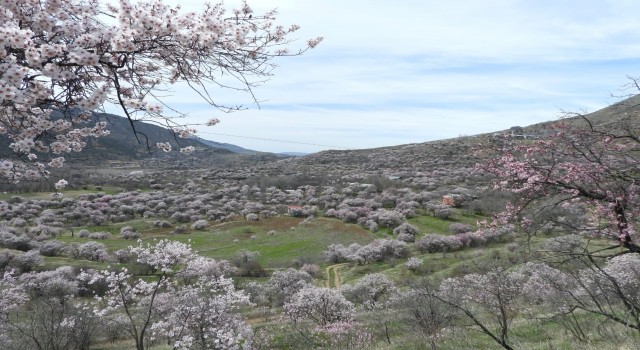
{"points": [[274, 140]]}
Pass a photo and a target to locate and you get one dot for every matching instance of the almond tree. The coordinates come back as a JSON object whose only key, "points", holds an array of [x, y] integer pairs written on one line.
{"points": [[581, 177], [202, 316], [40, 310], [581, 166], [490, 301], [195, 315], [61, 60], [321, 306], [137, 299]]}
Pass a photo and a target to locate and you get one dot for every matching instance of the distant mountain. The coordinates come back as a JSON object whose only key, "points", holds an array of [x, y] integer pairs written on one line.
{"points": [[293, 154], [123, 144], [227, 146]]}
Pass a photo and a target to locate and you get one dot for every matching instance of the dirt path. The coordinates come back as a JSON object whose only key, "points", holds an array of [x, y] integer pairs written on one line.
{"points": [[337, 281]]}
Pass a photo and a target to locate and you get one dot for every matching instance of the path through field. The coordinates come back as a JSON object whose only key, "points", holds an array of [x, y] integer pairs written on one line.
{"points": [[337, 281]]}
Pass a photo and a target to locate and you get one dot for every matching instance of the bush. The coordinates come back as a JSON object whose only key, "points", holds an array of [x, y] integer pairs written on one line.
{"points": [[337, 253], [434, 243], [457, 228], [127, 232], [12, 241], [93, 251], [312, 269], [247, 262], [199, 225], [413, 264], [406, 232], [444, 213], [26, 262], [370, 290], [386, 218], [182, 229], [51, 248], [283, 284], [162, 224]]}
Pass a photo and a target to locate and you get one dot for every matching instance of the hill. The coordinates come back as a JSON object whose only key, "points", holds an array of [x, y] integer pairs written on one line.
{"points": [[227, 146], [122, 144]]}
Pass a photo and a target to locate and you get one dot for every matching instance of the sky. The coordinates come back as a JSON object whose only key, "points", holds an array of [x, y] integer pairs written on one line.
{"points": [[410, 71]]}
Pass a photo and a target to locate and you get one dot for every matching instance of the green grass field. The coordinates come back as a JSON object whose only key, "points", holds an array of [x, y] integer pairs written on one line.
{"points": [[279, 240]]}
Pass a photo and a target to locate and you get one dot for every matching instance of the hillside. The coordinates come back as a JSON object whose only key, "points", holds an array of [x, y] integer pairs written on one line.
{"points": [[618, 116], [123, 145], [227, 146], [393, 236]]}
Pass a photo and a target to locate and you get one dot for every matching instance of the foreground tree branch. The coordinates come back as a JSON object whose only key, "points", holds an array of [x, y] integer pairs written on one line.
{"points": [[61, 60]]}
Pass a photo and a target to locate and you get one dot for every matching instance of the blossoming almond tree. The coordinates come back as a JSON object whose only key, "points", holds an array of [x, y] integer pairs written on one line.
{"points": [[196, 315], [578, 165], [581, 177], [62, 59]]}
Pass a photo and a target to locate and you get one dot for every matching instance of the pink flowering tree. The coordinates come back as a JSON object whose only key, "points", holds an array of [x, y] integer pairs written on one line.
{"points": [[577, 167], [61, 60]]}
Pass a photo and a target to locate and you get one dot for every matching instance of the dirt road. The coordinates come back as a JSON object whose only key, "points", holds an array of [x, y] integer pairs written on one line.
{"points": [[337, 280]]}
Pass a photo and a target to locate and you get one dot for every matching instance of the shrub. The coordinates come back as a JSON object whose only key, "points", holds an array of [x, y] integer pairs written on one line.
{"points": [[413, 264], [51, 248], [199, 225], [434, 243], [336, 253], [283, 284], [247, 262], [319, 305], [27, 261], [406, 232], [182, 229], [457, 227], [369, 290], [93, 251], [162, 224], [128, 232], [444, 213], [312, 269], [17, 242], [386, 218]]}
